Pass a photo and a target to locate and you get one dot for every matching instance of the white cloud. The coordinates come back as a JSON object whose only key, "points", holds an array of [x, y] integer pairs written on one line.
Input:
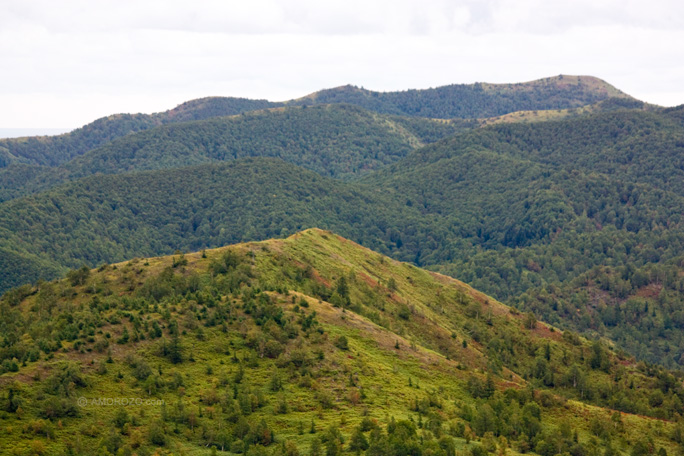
{"points": [[66, 63]]}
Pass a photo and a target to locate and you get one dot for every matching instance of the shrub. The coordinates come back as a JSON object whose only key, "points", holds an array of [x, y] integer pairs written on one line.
{"points": [[78, 276], [342, 343], [156, 433]]}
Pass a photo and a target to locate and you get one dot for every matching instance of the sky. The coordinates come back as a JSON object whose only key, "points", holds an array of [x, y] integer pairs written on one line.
{"points": [[66, 63]]}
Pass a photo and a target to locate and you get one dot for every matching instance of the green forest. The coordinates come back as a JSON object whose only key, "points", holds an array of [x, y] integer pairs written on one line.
{"points": [[466, 101], [472, 101], [55, 150], [509, 208], [572, 215], [340, 141]]}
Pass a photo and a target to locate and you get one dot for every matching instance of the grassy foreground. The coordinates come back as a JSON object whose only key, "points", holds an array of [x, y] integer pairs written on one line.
{"points": [[308, 345]]}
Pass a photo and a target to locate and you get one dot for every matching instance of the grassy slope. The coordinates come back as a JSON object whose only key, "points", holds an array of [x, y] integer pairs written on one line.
{"points": [[371, 378], [610, 104], [589, 83]]}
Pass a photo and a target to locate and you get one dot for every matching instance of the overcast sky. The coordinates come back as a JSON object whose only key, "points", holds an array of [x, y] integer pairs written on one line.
{"points": [[65, 63]]}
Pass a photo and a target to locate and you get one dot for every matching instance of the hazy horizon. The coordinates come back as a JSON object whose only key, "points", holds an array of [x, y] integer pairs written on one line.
{"points": [[32, 131], [69, 63]]}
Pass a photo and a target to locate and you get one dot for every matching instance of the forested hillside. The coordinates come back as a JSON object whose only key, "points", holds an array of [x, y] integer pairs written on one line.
{"points": [[573, 213], [309, 345], [455, 101], [509, 208], [109, 218], [480, 100], [334, 140], [550, 208], [54, 150], [341, 141]]}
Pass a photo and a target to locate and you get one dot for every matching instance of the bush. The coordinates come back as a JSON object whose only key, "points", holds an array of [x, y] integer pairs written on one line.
{"points": [[478, 450], [156, 434], [273, 349], [404, 312], [238, 447], [325, 399], [141, 370], [342, 343], [64, 379], [58, 408], [78, 276]]}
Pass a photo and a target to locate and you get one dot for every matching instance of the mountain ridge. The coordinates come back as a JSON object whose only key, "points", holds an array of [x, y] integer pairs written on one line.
{"points": [[336, 140], [277, 124], [279, 339], [508, 208], [55, 150], [522, 210], [474, 100]]}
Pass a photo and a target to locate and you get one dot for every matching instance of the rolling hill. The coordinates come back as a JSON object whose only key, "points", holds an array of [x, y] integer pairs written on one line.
{"points": [[110, 218], [340, 141], [454, 101], [54, 150], [537, 208], [572, 212], [479, 100], [308, 345], [510, 208]]}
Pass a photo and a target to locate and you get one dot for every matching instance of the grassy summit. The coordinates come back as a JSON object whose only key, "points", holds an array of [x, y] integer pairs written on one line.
{"points": [[308, 345]]}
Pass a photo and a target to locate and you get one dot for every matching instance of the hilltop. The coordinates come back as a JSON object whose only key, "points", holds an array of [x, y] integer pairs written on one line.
{"points": [[465, 101], [479, 100], [309, 344], [573, 212], [54, 150]]}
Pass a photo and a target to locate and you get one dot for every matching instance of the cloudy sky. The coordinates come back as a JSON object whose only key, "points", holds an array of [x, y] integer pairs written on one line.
{"points": [[65, 63]]}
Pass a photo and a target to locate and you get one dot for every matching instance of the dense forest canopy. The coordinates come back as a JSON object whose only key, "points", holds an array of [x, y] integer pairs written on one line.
{"points": [[456, 101], [467, 101], [55, 150], [341, 141]]}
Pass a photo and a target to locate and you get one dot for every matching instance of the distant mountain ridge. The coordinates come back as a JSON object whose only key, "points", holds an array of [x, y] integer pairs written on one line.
{"points": [[338, 140], [7, 133], [54, 150], [454, 101], [474, 100]]}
